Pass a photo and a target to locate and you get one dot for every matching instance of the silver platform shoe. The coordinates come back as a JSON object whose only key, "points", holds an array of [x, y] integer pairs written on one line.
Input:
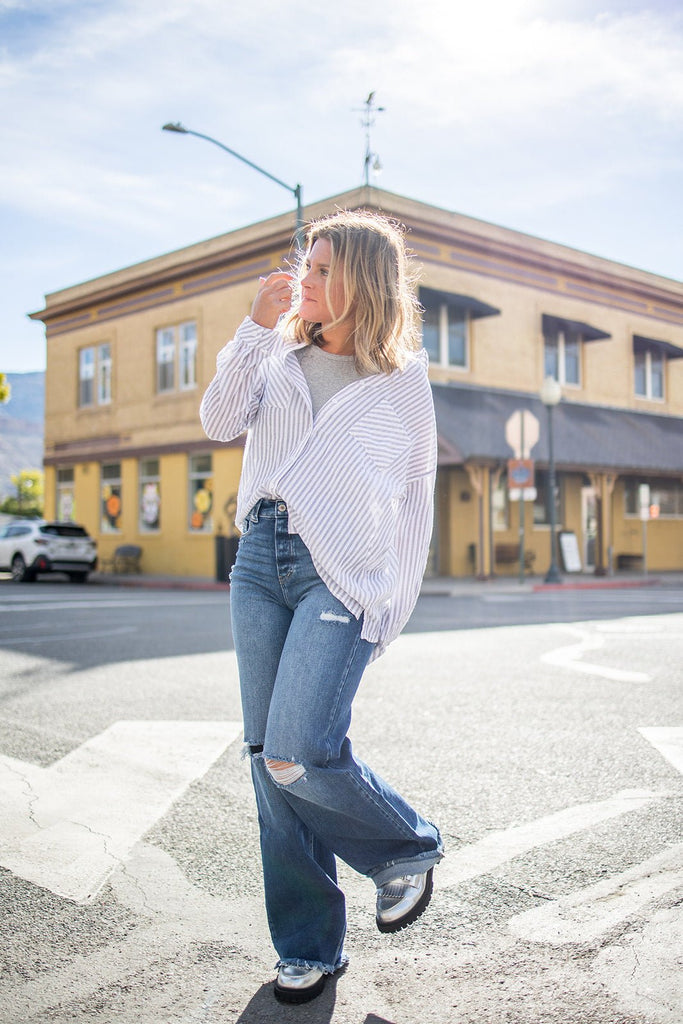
{"points": [[296, 984], [401, 901]]}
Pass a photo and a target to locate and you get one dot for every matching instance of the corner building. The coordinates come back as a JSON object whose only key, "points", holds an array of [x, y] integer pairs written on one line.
{"points": [[130, 354]]}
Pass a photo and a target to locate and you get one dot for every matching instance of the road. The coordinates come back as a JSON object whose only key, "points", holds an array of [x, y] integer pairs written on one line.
{"points": [[99, 624], [542, 732]]}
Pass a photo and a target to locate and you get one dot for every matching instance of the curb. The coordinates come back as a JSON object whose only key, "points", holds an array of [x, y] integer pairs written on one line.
{"points": [[430, 588], [157, 583], [650, 581]]}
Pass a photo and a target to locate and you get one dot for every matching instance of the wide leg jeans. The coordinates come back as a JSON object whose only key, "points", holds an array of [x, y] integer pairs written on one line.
{"points": [[301, 657]]}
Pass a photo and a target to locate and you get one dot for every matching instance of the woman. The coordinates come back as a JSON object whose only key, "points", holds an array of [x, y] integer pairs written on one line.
{"points": [[335, 509]]}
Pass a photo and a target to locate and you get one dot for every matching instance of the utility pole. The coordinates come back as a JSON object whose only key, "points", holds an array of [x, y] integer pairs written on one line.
{"points": [[371, 160]]}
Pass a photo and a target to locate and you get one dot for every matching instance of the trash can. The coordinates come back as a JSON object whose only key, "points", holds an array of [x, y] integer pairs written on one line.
{"points": [[226, 553]]}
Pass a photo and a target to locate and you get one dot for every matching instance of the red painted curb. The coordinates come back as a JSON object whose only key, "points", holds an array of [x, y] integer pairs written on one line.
{"points": [[597, 585]]}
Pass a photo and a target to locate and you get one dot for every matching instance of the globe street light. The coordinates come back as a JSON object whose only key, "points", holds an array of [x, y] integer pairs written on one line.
{"points": [[296, 190], [551, 393]]}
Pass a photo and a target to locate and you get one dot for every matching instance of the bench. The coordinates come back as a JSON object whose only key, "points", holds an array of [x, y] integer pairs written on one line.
{"points": [[508, 554], [628, 562], [126, 559]]}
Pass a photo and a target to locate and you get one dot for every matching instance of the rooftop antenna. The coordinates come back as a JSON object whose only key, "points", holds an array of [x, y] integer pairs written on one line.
{"points": [[371, 161]]}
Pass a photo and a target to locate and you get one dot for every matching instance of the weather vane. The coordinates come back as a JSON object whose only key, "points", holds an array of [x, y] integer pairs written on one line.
{"points": [[371, 161]]}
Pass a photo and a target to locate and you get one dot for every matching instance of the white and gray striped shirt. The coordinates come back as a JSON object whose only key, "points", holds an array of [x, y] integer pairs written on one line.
{"points": [[358, 479]]}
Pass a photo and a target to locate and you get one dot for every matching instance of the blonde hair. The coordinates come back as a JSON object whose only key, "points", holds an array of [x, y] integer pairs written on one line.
{"points": [[378, 281]]}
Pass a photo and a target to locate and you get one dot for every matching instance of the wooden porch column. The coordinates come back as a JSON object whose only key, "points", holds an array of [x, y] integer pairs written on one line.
{"points": [[603, 485], [610, 480], [477, 475]]}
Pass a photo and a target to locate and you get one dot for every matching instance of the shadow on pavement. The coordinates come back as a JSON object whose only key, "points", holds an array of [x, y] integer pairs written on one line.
{"points": [[263, 1008]]}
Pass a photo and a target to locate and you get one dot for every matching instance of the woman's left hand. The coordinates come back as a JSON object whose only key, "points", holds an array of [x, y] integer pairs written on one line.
{"points": [[273, 298]]}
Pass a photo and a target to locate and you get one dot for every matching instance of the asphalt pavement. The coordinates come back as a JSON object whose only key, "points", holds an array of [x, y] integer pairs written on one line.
{"points": [[550, 754]]}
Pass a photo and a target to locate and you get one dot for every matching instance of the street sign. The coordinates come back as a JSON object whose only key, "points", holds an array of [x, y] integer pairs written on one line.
{"points": [[520, 473], [644, 501], [522, 432], [522, 494]]}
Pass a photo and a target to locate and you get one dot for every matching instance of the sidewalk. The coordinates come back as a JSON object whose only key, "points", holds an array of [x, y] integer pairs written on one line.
{"points": [[441, 586]]}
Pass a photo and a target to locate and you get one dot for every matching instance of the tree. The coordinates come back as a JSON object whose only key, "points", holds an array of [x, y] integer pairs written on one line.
{"points": [[5, 389], [29, 497]]}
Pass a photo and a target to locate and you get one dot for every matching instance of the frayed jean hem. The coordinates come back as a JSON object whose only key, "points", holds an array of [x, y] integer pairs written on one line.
{"points": [[411, 866], [310, 964]]}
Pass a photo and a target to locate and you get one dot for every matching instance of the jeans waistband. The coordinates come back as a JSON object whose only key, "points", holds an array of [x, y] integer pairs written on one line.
{"points": [[267, 508]]}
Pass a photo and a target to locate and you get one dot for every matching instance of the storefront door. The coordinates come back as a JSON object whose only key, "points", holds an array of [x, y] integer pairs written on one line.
{"points": [[589, 526]]}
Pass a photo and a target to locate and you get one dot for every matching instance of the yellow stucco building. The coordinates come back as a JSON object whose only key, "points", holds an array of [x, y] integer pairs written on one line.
{"points": [[129, 355]]}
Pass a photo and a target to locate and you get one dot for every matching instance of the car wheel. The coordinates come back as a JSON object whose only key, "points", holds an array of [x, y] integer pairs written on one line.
{"points": [[77, 577], [20, 573]]}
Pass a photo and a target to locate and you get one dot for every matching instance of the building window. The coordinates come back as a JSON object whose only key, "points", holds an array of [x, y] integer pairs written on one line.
{"points": [[649, 373], [165, 360], [447, 325], [66, 505], [104, 374], [110, 497], [177, 357], [445, 329], [666, 498], [150, 496], [500, 506], [200, 494], [94, 375], [542, 500], [562, 354], [188, 356]]}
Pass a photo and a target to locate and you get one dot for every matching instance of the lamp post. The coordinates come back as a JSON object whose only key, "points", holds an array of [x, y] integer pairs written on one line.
{"points": [[296, 190], [551, 393]]}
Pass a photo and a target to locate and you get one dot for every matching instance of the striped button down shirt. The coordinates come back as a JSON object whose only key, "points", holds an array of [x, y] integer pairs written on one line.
{"points": [[358, 479]]}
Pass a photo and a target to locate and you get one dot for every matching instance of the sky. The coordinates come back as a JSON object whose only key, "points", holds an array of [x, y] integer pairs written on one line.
{"points": [[562, 119]]}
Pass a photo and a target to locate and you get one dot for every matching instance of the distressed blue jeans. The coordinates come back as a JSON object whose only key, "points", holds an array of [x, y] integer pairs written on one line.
{"points": [[301, 657]]}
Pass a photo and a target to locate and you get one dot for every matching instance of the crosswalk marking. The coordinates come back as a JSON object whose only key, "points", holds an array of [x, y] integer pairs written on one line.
{"points": [[668, 741], [67, 827], [584, 915], [500, 847]]}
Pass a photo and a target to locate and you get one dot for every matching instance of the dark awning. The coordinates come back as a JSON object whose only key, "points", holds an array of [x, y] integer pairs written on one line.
{"points": [[471, 421], [475, 307], [670, 350], [572, 328]]}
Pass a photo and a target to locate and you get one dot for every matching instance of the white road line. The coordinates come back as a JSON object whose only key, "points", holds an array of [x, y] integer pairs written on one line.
{"points": [[501, 847], [67, 827], [95, 603], [568, 657], [669, 743], [55, 638], [584, 915]]}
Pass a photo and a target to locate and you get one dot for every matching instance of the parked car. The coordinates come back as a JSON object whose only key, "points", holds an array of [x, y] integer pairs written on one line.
{"points": [[29, 547]]}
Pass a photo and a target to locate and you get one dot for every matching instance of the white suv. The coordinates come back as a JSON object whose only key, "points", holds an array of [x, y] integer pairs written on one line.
{"points": [[32, 546]]}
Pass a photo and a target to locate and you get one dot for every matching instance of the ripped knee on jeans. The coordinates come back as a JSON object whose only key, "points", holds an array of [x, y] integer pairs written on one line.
{"points": [[284, 772]]}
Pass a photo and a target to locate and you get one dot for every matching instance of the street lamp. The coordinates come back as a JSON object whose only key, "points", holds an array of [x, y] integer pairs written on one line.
{"points": [[296, 190], [551, 393]]}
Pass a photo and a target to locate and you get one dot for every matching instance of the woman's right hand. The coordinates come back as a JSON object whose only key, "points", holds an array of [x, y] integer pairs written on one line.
{"points": [[273, 298]]}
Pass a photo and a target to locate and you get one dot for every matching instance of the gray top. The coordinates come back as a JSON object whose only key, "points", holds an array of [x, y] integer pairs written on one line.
{"points": [[325, 373]]}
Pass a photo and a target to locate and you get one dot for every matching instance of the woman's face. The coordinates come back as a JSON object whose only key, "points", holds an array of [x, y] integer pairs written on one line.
{"points": [[314, 305]]}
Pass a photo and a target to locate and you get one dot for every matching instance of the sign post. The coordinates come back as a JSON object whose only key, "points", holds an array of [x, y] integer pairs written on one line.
{"points": [[521, 433], [644, 502]]}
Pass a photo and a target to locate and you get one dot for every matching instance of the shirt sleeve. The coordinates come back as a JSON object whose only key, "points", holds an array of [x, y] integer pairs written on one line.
{"points": [[415, 522], [232, 399]]}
